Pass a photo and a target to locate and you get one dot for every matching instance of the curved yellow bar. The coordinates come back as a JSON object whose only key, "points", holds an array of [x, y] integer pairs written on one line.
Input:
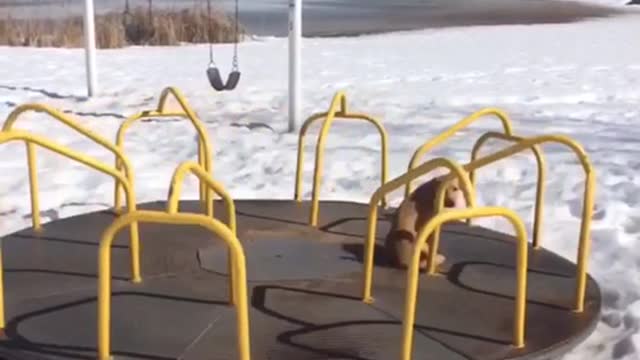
{"points": [[338, 109], [392, 185], [196, 169], [439, 206], [120, 143], [204, 144], [121, 159], [297, 195], [412, 277], [537, 218], [30, 139], [435, 141], [587, 207], [239, 283], [204, 151], [175, 189], [33, 187], [342, 115]]}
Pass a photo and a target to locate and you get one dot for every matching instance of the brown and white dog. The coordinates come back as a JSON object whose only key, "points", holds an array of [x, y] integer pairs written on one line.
{"points": [[413, 213]]}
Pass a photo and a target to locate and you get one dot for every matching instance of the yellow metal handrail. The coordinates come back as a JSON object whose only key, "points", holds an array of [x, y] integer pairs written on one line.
{"points": [[205, 152], [537, 217], [204, 144], [196, 169], [238, 283], [440, 195], [392, 185], [31, 155], [30, 140], [338, 109], [175, 190], [435, 141], [521, 271], [587, 207]]}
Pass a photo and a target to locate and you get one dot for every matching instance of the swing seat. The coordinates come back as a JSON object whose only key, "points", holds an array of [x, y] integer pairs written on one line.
{"points": [[213, 74], [216, 80]]}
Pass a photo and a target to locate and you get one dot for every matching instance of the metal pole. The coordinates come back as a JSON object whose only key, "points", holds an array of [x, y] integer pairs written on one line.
{"points": [[295, 40], [90, 47]]}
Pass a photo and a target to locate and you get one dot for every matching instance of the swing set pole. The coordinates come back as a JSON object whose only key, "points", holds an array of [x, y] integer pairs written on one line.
{"points": [[90, 47], [295, 40]]}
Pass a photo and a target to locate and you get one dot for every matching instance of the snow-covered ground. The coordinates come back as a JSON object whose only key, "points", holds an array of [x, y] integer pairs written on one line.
{"points": [[580, 79], [614, 3]]}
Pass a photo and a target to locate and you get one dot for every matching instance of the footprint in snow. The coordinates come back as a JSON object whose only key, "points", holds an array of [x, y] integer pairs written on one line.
{"points": [[575, 208]]}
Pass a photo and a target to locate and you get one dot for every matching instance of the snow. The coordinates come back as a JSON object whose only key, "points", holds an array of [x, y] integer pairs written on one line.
{"points": [[611, 3], [579, 79]]}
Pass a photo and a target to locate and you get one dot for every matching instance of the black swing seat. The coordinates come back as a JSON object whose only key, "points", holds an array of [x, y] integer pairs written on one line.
{"points": [[216, 80], [212, 71]]}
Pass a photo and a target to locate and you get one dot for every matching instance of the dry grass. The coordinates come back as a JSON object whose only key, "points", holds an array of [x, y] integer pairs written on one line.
{"points": [[167, 27]]}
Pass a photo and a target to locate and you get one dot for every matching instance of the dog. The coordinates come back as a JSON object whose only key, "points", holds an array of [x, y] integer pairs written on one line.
{"points": [[412, 215]]}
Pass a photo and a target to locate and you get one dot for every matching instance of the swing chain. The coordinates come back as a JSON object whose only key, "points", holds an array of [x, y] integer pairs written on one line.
{"points": [[235, 44], [234, 64], [213, 73], [212, 63]]}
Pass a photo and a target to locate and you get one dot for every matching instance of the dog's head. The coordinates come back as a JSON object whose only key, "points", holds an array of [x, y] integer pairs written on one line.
{"points": [[424, 196], [454, 197]]}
